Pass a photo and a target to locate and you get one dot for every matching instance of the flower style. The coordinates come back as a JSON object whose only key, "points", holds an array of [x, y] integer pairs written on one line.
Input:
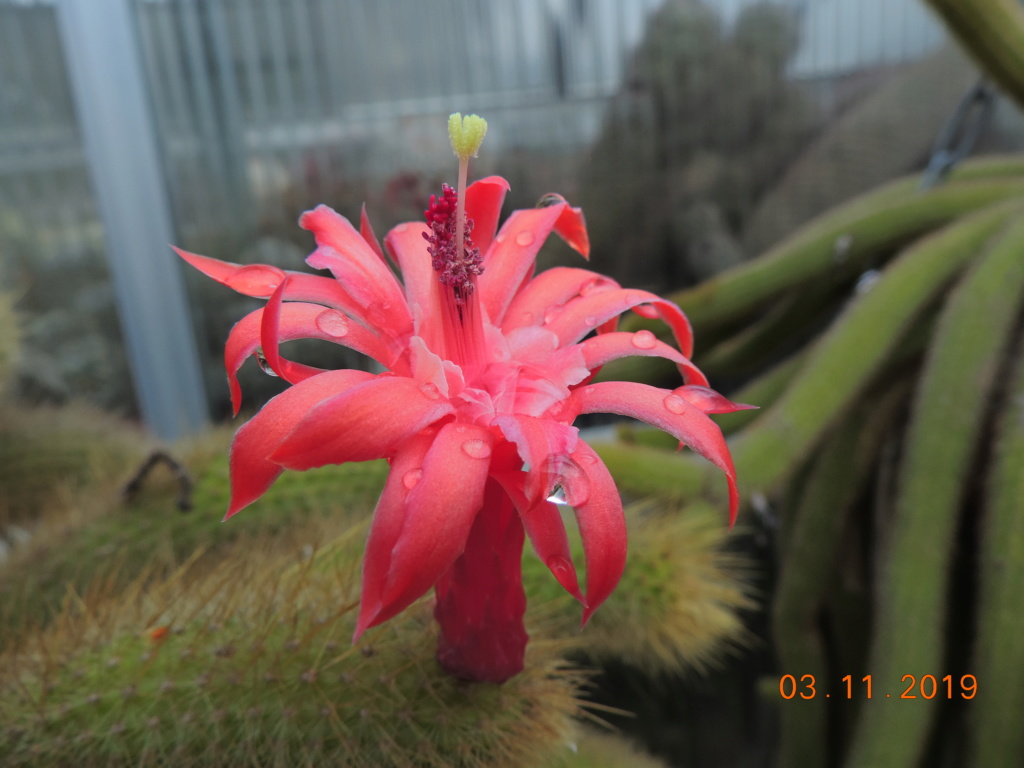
{"points": [[487, 366]]}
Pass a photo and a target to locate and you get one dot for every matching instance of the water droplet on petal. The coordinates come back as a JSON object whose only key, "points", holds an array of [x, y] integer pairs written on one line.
{"points": [[525, 238], [644, 340], [527, 318], [501, 236], [261, 360], [402, 227], [256, 279], [575, 483], [476, 449], [560, 567], [590, 320], [333, 323], [675, 404], [411, 478], [558, 496], [588, 390], [588, 458], [552, 313], [430, 390]]}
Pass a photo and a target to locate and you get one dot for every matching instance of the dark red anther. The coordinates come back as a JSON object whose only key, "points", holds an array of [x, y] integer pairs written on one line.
{"points": [[456, 270]]}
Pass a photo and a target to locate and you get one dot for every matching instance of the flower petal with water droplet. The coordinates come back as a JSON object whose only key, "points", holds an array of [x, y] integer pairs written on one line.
{"points": [[368, 421], [439, 514], [681, 419]]}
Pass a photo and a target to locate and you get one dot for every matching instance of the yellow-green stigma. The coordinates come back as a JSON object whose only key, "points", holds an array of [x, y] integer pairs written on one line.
{"points": [[466, 134]]}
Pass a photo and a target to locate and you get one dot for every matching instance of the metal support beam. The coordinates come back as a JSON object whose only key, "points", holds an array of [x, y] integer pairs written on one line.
{"points": [[107, 79]]}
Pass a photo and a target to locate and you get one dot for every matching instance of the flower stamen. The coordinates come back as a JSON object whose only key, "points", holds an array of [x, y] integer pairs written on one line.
{"points": [[456, 263]]}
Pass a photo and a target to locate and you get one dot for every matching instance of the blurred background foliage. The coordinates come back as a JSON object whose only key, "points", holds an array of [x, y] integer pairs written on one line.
{"points": [[695, 134], [715, 148]]}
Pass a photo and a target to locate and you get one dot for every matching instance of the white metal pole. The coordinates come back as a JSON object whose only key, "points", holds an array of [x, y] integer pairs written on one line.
{"points": [[105, 70]]}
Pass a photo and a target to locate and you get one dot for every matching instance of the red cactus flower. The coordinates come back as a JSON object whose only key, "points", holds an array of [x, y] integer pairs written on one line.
{"points": [[487, 368]]}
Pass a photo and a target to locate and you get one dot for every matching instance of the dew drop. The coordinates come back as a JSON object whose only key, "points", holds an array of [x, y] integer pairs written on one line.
{"points": [[261, 360], [429, 389], [411, 478], [476, 449], [588, 458], [644, 340], [256, 280], [590, 320], [525, 238], [333, 323], [527, 318], [675, 404], [501, 236], [552, 313], [867, 281], [558, 496], [589, 390], [575, 479], [399, 228], [560, 567]]}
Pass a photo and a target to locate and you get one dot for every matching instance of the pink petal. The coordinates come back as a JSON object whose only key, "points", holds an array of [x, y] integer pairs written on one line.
{"points": [[388, 521], [511, 257], [409, 248], [366, 232], [252, 473], [483, 205], [368, 421], [439, 513], [299, 320], [544, 525], [261, 280], [581, 316], [543, 444], [600, 349], [667, 411], [354, 264], [290, 371], [591, 491], [710, 401], [548, 291], [572, 227]]}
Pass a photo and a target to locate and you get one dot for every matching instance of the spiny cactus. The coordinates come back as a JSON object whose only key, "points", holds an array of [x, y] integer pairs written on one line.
{"points": [[681, 598], [50, 456], [237, 667], [106, 536], [599, 749]]}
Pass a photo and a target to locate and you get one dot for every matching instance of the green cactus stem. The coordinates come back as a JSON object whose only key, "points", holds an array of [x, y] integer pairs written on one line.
{"points": [[861, 230], [597, 749], [992, 31], [997, 741], [808, 555], [849, 239], [911, 623], [794, 319], [840, 365]]}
